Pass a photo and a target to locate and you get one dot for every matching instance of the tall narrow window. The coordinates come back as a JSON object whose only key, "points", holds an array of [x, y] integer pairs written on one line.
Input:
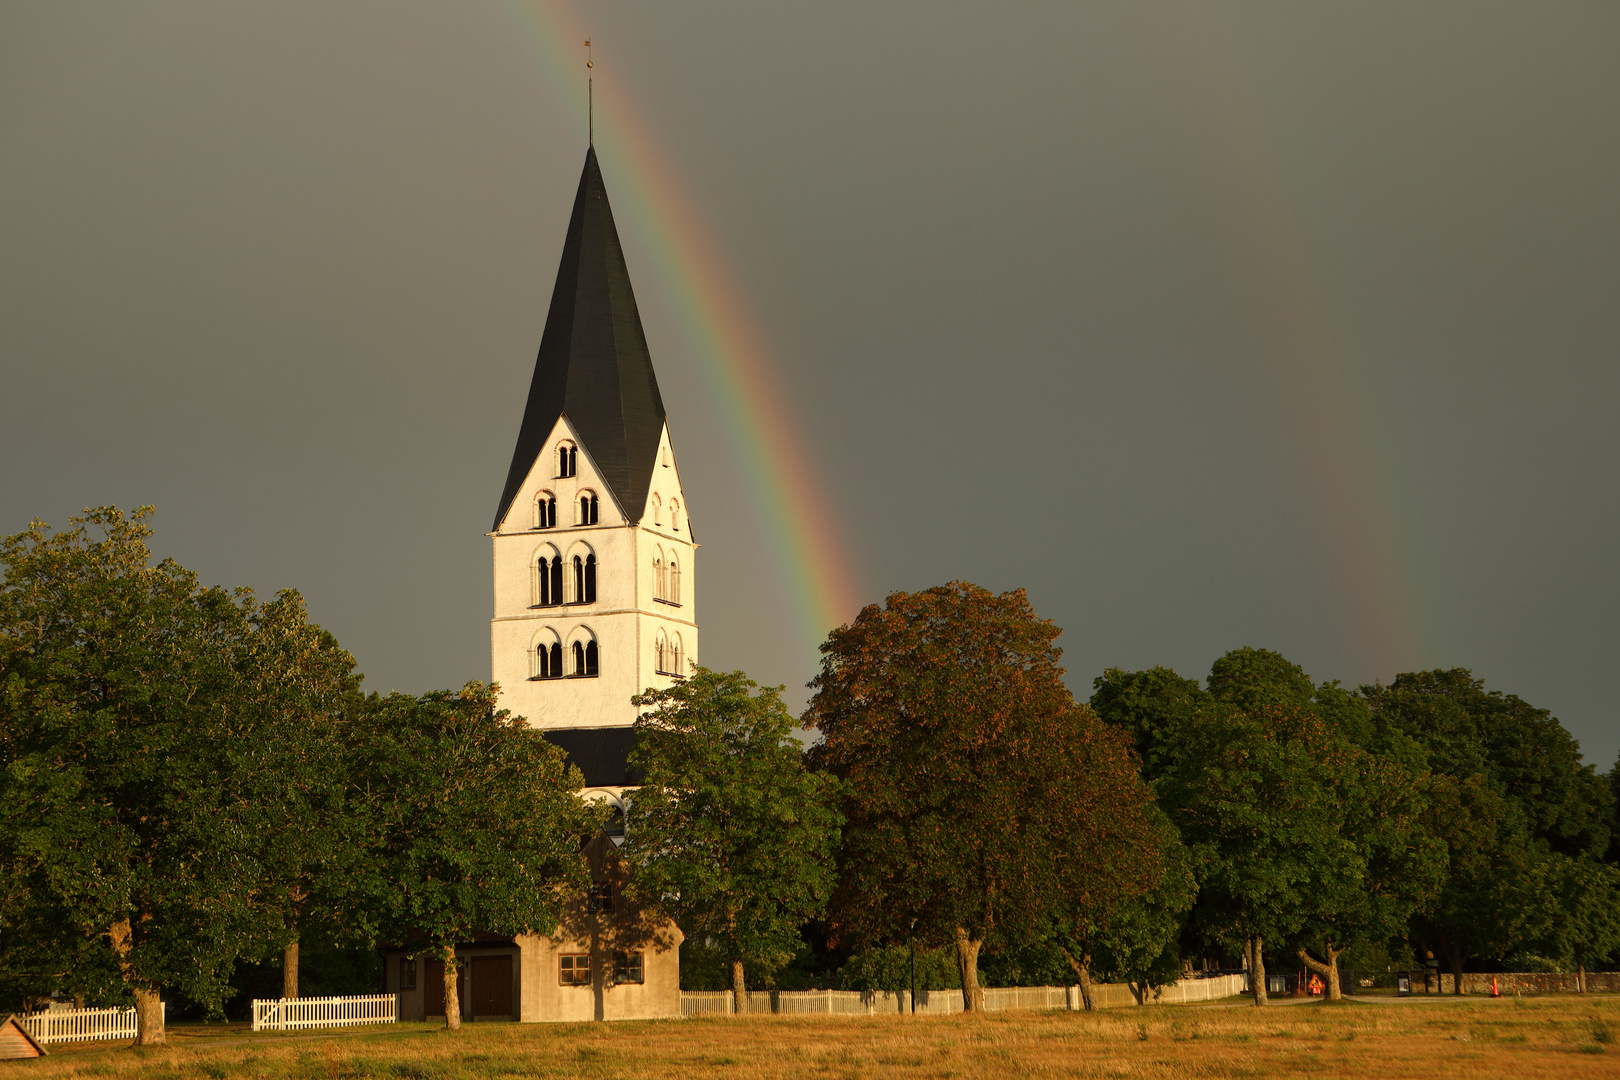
{"points": [[658, 511], [658, 576], [545, 511], [675, 647], [587, 508], [542, 661], [579, 658], [590, 658], [545, 572], [658, 653], [567, 459], [590, 579], [554, 670], [674, 581], [675, 515], [556, 581]]}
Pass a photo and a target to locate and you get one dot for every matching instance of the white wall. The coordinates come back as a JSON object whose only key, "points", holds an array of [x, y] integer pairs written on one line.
{"points": [[625, 618]]}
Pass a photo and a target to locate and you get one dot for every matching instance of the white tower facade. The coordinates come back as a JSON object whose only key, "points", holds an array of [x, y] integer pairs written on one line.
{"points": [[594, 602], [595, 580]]}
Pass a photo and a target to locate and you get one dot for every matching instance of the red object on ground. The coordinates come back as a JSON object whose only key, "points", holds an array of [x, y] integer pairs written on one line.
{"points": [[1494, 991]]}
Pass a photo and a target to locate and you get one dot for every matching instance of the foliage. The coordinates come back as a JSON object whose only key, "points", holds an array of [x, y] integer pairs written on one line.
{"points": [[126, 812], [893, 968], [472, 821], [1139, 942], [978, 796], [729, 834]]}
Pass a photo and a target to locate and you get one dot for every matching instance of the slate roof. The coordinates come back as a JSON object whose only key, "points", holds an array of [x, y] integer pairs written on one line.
{"points": [[593, 362], [602, 753]]}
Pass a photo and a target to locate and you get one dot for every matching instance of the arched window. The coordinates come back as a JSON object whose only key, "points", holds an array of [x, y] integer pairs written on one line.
{"points": [[567, 459], [660, 653], [658, 573], [676, 667], [587, 508], [546, 580], [675, 515], [545, 510], [584, 579], [674, 579], [584, 650], [658, 511], [546, 660]]}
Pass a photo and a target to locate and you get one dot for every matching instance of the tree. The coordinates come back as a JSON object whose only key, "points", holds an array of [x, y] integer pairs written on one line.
{"points": [[474, 823], [1136, 945], [120, 734], [1296, 834], [1511, 797], [977, 795], [303, 692], [728, 833]]}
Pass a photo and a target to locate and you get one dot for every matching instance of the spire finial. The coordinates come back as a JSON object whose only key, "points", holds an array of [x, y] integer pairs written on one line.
{"points": [[590, 96]]}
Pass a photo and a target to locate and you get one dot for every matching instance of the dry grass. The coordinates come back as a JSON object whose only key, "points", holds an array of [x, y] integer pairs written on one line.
{"points": [[1531, 1039]]}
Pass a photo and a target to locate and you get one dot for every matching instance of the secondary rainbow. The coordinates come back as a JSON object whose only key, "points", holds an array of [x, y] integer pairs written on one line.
{"points": [[786, 493]]}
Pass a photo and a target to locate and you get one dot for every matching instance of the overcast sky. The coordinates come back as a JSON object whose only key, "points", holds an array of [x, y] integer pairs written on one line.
{"points": [[1286, 325]]}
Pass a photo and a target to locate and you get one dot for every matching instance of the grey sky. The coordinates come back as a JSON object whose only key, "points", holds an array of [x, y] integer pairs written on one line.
{"points": [[1254, 324]]}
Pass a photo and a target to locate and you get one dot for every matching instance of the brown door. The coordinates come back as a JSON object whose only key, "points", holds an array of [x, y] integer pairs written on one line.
{"points": [[492, 986], [432, 987]]}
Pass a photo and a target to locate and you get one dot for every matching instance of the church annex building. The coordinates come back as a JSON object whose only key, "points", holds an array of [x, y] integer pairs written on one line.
{"points": [[593, 601]]}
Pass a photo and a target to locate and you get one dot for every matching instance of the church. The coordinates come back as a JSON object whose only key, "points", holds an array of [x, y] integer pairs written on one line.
{"points": [[594, 588]]}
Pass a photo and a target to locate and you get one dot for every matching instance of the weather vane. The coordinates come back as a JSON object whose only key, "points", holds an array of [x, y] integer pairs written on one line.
{"points": [[590, 96]]}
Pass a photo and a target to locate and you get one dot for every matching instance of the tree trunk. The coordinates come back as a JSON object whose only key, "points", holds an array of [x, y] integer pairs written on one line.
{"points": [[1257, 968], [452, 994], [967, 961], [149, 1015], [1139, 990], [1454, 954], [289, 970], [1580, 970], [739, 988], [148, 999], [1082, 972], [1329, 970]]}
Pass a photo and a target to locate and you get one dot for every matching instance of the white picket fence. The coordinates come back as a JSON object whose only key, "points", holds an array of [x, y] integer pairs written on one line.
{"points": [[82, 1025], [295, 1014], [948, 1002]]}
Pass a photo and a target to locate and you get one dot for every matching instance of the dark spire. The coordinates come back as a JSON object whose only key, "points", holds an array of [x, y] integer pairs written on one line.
{"points": [[593, 362]]}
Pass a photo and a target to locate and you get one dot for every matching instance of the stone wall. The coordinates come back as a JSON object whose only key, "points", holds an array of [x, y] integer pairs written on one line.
{"points": [[1537, 982]]}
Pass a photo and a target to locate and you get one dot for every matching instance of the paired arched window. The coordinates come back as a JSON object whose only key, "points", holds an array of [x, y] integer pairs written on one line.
{"points": [[545, 511], [675, 514], [584, 658], [585, 579], [567, 459], [658, 573], [546, 659], [587, 508], [546, 582], [673, 593], [667, 659]]}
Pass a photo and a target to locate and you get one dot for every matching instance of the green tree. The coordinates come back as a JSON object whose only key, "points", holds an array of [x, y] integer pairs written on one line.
{"points": [[977, 795], [1297, 834], [473, 823], [301, 690], [1137, 945], [728, 833], [121, 809]]}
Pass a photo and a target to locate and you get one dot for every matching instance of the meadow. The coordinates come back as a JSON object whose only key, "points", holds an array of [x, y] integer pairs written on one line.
{"points": [[1530, 1038]]}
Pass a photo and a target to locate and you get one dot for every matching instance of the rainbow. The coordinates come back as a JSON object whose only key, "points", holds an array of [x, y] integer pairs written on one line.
{"points": [[1306, 362], [793, 509]]}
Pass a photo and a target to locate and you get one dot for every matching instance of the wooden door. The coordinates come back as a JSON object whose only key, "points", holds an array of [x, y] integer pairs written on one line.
{"points": [[492, 986], [432, 988]]}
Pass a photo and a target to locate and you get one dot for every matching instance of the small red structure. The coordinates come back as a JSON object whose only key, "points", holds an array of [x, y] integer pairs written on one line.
{"points": [[15, 1042], [1494, 991]]}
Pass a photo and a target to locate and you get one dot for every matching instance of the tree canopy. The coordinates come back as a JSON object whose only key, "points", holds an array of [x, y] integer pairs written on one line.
{"points": [[728, 833], [977, 794]]}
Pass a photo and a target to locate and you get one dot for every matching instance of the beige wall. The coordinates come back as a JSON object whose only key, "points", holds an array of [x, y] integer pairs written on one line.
{"points": [[625, 619]]}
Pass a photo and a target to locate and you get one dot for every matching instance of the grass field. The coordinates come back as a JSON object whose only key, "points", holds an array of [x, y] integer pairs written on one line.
{"points": [[1522, 1038]]}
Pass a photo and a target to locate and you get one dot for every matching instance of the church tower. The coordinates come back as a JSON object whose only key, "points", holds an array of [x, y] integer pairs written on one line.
{"points": [[594, 576]]}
